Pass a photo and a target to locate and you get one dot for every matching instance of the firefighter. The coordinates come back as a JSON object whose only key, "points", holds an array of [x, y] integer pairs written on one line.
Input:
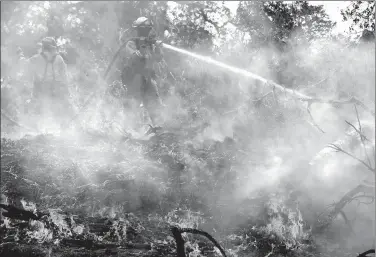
{"points": [[48, 72], [142, 53]]}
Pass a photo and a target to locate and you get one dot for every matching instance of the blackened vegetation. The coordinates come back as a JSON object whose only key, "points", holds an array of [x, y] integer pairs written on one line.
{"points": [[118, 236], [28, 168], [82, 222], [95, 234], [20, 214]]}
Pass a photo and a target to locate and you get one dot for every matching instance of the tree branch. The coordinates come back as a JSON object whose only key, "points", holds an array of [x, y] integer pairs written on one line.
{"points": [[360, 133], [262, 97], [314, 123], [364, 196], [362, 137], [366, 253], [344, 216], [347, 198], [339, 149], [323, 80], [352, 100]]}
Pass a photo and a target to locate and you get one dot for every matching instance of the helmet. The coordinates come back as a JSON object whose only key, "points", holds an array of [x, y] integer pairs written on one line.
{"points": [[48, 43], [142, 22]]}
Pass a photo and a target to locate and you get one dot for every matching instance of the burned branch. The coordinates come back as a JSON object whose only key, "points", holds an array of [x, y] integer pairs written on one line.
{"points": [[180, 241], [365, 254]]}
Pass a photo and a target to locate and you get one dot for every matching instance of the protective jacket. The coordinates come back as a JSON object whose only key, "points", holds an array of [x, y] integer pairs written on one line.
{"points": [[50, 92], [141, 57], [49, 76], [138, 74]]}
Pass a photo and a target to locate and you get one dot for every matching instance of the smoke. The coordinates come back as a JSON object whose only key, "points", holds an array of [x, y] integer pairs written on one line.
{"points": [[325, 69], [231, 96]]}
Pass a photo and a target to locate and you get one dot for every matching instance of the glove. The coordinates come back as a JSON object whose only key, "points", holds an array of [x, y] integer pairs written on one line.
{"points": [[159, 43]]}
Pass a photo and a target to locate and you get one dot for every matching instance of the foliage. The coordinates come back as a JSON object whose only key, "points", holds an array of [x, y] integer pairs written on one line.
{"points": [[361, 14], [283, 26], [196, 23], [277, 22]]}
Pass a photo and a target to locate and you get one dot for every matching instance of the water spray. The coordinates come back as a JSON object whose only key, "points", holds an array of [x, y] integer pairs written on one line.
{"points": [[207, 60], [237, 71]]}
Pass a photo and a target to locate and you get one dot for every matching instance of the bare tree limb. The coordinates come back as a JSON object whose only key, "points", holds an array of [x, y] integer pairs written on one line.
{"points": [[357, 130], [352, 100], [322, 80], [339, 149], [361, 137], [347, 198], [313, 121], [262, 97], [344, 216], [364, 196]]}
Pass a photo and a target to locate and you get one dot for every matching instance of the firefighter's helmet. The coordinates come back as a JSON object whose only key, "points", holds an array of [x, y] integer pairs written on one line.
{"points": [[142, 22], [49, 43]]}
